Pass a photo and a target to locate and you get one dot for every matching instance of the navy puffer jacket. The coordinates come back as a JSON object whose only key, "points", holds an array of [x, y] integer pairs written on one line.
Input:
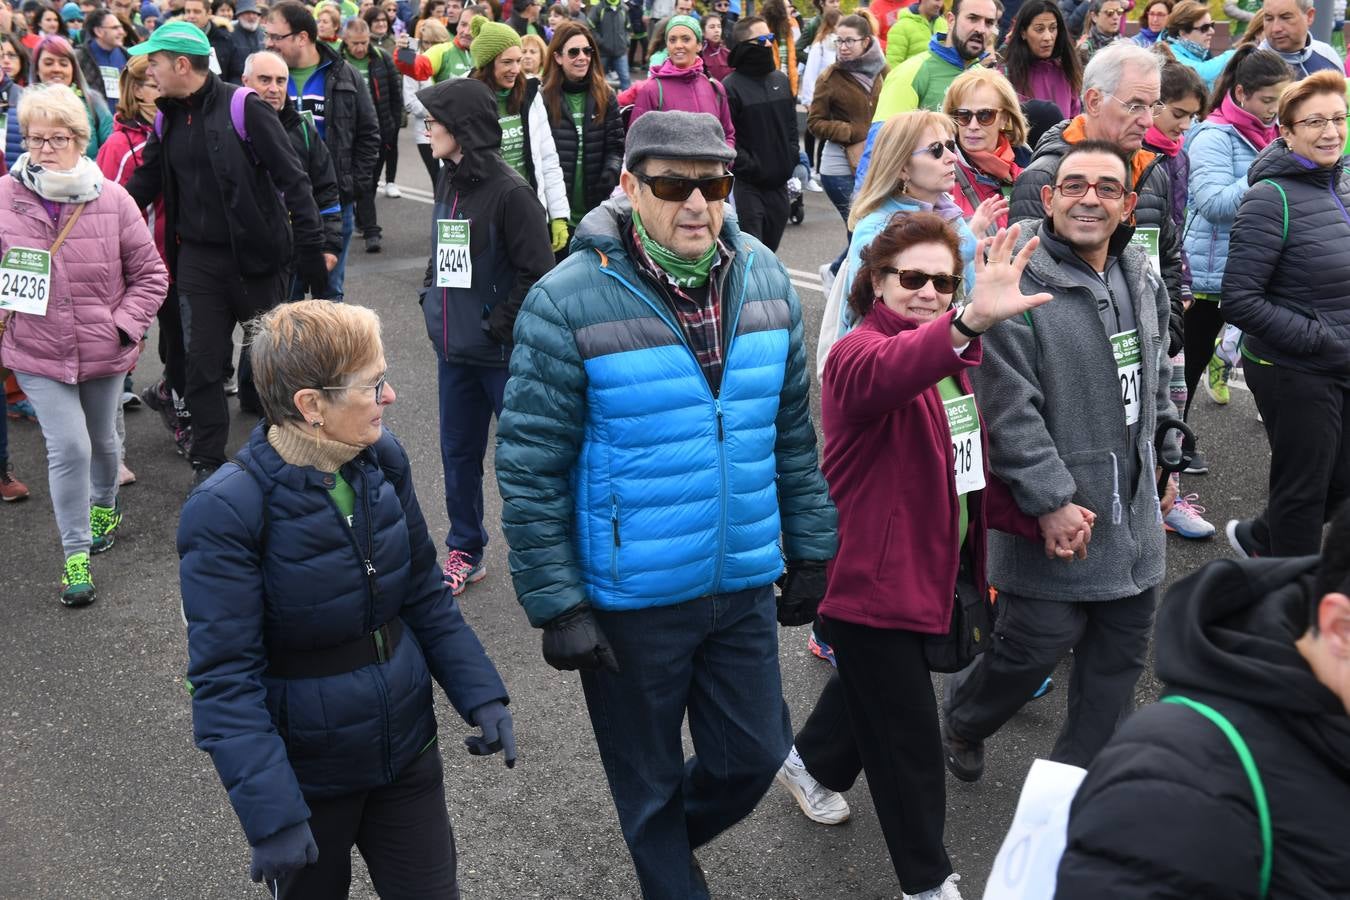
{"points": [[260, 583]]}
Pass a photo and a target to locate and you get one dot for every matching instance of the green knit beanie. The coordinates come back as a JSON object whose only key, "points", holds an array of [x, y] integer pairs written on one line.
{"points": [[490, 40], [688, 22]]}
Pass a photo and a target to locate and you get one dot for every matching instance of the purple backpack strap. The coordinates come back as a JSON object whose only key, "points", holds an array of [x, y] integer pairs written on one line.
{"points": [[237, 111], [159, 124]]}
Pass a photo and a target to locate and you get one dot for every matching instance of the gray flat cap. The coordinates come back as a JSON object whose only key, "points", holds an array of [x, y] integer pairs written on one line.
{"points": [[673, 134]]}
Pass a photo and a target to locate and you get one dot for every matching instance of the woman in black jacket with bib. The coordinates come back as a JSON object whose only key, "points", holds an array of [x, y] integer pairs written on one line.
{"points": [[584, 114]]}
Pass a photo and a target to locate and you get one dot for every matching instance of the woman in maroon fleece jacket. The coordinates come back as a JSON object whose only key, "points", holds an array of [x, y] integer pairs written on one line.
{"points": [[905, 460]]}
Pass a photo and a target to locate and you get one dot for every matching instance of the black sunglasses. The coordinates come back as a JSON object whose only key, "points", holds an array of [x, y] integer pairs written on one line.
{"points": [[985, 117], [936, 148], [574, 52], [913, 280], [670, 187], [1205, 28]]}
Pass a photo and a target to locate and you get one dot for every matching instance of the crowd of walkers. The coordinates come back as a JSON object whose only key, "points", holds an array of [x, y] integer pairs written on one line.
{"points": [[1056, 228]]}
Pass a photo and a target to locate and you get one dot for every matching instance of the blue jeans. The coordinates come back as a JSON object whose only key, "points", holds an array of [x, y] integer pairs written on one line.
{"points": [[839, 188], [338, 277], [470, 397], [618, 65], [716, 658]]}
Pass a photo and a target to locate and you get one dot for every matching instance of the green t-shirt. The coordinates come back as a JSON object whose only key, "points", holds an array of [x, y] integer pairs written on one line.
{"points": [[950, 390], [300, 76], [448, 61], [343, 497], [576, 103], [361, 65], [513, 138]]}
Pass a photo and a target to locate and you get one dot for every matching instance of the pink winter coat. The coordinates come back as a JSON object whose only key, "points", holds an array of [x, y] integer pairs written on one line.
{"points": [[107, 281], [690, 90]]}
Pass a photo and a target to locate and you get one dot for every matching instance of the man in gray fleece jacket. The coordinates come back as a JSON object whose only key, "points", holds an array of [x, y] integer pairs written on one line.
{"points": [[1071, 395]]}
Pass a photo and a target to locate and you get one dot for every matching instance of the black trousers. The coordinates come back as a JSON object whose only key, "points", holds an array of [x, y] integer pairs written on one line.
{"points": [[763, 212], [213, 297], [1307, 417], [432, 163], [1204, 322], [1109, 640], [364, 201], [878, 715], [171, 350], [388, 162], [403, 833]]}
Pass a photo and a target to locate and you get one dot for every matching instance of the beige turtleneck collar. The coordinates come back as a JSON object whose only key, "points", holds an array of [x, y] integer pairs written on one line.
{"points": [[301, 448]]}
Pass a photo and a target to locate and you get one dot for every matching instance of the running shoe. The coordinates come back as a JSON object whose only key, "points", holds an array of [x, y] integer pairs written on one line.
{"points": [[182, 439], [1046, 687], [1187, 520], [11, 488], [158, 397], [964, 759], [77, 585], [1216, 381], [821, 649], [461, 570], [945, 891], [130, 400], [22, 410], [103, 521], [391, 190], [813, 184], [819, 803], [1198, 464], [1242, 539]]}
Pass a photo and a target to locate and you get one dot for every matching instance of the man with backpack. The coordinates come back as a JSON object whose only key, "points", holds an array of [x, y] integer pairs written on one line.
{"points": [[1237, 783], [237, 204]]}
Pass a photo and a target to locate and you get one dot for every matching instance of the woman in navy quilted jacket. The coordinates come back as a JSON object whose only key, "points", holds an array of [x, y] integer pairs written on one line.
{"points": [[317, 619]]}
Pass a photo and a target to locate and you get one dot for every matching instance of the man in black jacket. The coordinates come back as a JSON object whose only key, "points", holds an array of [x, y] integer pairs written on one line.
{"points": [[334, 95], [386, 92], [765, 115], [231, 202], [1168, 808], [489, 246], [246, 39], [198, 12]]}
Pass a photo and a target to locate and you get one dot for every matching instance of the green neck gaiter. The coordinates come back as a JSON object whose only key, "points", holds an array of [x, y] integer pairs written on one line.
{"points": [[686, 272]]}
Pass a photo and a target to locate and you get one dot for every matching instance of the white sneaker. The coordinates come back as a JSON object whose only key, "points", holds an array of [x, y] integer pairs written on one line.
{"points": [[391, 190], [818, 802], [945, 891], [813, 184], [826, 279]]}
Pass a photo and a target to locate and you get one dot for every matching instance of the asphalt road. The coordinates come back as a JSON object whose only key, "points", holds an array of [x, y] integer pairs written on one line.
{"points": [[103, 795]]}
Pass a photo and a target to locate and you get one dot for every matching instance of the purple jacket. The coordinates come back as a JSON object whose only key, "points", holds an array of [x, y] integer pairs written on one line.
{"points": [[107, 281], [1046, 81], [688, 89]]}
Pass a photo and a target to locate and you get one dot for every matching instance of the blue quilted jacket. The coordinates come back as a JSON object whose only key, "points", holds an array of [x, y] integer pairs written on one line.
{"points": [[626, 482], [294, 577], [1220, 158]]}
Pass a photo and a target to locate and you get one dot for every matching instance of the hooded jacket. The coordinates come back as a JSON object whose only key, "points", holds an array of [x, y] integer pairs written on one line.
{"points": [[609, 21], [1051, 396], [1209, 67], [910, 35], [1220, 160], [120, 156], [691, 90], [1285, 283], [313, 155], [1166, 811], [509, 241]]}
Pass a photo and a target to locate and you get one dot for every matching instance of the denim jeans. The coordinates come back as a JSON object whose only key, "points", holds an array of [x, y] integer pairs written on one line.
{"points": [[470, 397], [338, 277], [715, 658], [619, 66], [839, 188]]}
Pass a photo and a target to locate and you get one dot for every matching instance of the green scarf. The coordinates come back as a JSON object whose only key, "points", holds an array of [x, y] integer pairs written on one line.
{"points": [[685, 272]]}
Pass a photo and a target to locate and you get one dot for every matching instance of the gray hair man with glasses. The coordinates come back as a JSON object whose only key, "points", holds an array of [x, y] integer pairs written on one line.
{"points": [[1122, 91]]}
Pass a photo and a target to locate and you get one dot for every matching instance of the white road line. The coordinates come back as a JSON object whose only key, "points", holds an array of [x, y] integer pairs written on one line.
{"points": [[809, 276]]}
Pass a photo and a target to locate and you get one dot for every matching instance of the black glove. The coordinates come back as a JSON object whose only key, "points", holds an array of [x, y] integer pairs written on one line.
{"points": [[498, 732], [281, 854], [501, 322], [313, 273], [802, 588], [574, 641], [1176, 340]]}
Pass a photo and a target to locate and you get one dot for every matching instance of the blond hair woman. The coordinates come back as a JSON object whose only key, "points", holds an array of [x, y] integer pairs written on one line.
{"points": [[991, 136]]}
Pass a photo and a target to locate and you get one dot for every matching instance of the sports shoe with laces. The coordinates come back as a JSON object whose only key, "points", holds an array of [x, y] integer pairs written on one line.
{"points": [[11, 488], [1216, 380], [964, 759], [391, 190], [819, 803], [945, 891], [158, 397], [821, 649], [77, 586], [22, 410], [103, 521], [461, 570], [1186, 519], [1242, 539], [1198, 464]]}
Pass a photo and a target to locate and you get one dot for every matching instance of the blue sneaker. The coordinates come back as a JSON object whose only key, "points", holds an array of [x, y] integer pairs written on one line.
{"points": [[821, 649], [1046, 687]]}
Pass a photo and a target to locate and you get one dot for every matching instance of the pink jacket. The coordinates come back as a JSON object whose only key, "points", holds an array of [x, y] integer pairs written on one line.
{"points": [[121, 155], [690, 90], [107, 281]]}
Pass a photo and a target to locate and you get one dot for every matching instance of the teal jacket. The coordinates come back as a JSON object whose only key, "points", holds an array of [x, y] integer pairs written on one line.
{"points": [[626, 482]]}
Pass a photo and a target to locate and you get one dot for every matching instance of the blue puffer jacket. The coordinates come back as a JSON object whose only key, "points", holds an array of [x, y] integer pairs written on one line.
{"points": [[626, 482], [293, 577], [13, 136], [1220, 158], [1209, 68]]}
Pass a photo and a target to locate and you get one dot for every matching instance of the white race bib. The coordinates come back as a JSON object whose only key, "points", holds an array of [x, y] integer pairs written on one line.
{"points": [[111, 85], [454, 265], [964, 424], [1148, 240], [25, 280], [1129, 366]]}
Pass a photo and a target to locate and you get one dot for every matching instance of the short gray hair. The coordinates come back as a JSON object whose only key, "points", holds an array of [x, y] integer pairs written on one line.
{"points": [[1304, 5], [58, 105], [356, 27], [248, 63], [1107, 66]]}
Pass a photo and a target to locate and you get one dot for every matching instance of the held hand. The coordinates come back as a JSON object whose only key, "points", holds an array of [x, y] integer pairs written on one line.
{"points": [[802, 588], [498, 732], [998, 294], [330, 261], [1067, 532], [987, 213], [401, 40]]}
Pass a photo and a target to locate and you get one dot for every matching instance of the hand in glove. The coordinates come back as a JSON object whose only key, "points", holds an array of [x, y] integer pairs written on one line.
{"points": [[313, 272], [501, 324], [802, 588], [558, 228], [281, 854], [498, 732], [574, 641]]}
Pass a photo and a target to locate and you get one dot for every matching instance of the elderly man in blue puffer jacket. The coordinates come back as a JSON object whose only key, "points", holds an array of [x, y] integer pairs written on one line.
{"points": [[657, 463]]}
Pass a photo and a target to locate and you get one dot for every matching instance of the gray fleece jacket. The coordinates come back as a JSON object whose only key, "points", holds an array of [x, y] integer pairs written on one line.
{"points": [[1050, 394]]}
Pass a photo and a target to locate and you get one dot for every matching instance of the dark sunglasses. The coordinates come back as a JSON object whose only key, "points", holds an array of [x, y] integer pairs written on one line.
{"points": [[1204, 29], [574, 52], [913, 280], [983, 116], [669, 187], [936, 148]]}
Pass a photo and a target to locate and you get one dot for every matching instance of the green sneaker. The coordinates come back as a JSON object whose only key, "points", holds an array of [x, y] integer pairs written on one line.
{"points": [[103, 521], [77, 586], [1217, 382]]}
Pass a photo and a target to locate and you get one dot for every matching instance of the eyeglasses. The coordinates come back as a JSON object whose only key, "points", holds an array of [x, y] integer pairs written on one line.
{"points": [[913, 280], [674, 189], [1137, 109], [377, 387], [848, 42], [1319, 123], [983, 116], [271, 38], [937, 148], [56, 142], [1078, 187], [1204, 29], [574, 52]]}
